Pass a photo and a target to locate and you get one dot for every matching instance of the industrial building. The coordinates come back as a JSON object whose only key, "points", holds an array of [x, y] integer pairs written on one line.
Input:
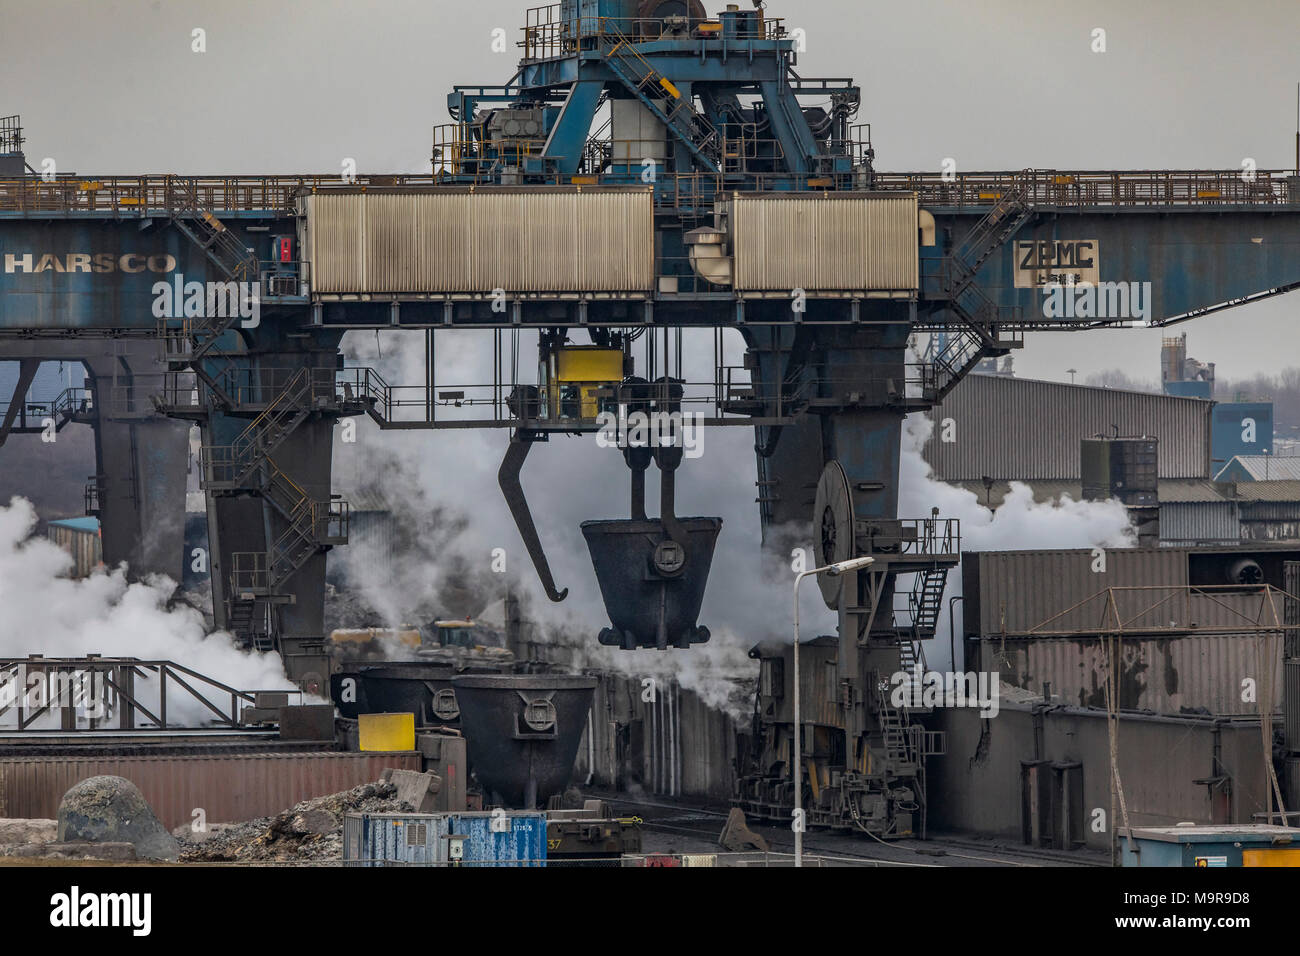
{"points": [[995, 430], [1016, 429]]}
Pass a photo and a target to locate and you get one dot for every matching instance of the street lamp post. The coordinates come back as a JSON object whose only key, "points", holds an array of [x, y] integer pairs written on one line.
{"points": [[834, 570]]}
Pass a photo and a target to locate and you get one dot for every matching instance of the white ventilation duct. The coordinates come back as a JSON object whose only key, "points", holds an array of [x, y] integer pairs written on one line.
{"points": [[709, 259]]}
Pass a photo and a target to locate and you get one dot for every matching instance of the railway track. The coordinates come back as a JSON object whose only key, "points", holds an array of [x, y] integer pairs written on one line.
{"points": [[704, 824]]}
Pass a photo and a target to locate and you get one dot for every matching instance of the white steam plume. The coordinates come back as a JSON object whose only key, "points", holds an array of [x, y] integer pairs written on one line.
{"points": [[43, 611], [453, 475], [1019, 524]]}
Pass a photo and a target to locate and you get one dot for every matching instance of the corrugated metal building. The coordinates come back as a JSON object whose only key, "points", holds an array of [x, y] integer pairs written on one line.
{"points": [[375, 537], [1026, 430], [1035, 617], [1222, 512], [981, 785]]}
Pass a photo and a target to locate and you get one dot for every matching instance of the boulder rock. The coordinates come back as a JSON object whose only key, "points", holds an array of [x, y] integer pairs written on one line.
{"points": [[113, 810]]}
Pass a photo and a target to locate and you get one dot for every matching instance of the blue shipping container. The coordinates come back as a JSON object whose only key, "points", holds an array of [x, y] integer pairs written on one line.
{"points": [[523, 843], [419, 839]]}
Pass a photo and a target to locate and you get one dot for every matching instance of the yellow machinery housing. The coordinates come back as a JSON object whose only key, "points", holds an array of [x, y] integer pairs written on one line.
{"points": [[572, 375]]}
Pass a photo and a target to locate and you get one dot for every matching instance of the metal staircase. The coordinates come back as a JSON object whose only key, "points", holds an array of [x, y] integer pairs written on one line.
{"points": [[230, 467], [1011, 211], [663, 99], [980, 333], [310, 526], [187, 341], [925, 603]]}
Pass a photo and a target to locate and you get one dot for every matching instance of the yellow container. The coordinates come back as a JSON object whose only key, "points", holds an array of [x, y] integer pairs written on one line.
{"points": [[1270, 857], [387, 733]]}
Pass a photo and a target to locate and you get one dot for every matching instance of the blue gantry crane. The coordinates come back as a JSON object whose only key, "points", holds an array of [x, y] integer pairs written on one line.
{"points": [[650, 168]]}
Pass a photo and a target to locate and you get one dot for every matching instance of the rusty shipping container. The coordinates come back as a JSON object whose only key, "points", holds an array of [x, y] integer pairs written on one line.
{"points": [[862, 242], [228, 788], [473, 241]]}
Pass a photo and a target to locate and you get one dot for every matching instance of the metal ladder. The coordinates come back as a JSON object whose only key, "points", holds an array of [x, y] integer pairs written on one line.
{"points": [[895, 729]]}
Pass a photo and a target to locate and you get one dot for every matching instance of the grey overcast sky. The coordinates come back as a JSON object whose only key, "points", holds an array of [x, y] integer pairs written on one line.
{"points": [[112, 86]]}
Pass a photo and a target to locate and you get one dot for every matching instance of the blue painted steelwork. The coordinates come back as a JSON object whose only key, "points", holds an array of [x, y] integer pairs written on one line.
{"points": [[1240, 428], [1193, 389], [1194, 260]]}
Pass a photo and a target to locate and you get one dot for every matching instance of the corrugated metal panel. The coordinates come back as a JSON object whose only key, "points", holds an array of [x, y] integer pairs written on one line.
{"points": [[229, 788], [663, 741], [829, 243], [1270, 529], [1270, 510], [83, 543], [1020, 429], [476, 241], [1185, 490], [1041, 593], [1283, 491], [1291, 611], [1022, 590], [1199, 522], [1158, 674], [1291, 692]]}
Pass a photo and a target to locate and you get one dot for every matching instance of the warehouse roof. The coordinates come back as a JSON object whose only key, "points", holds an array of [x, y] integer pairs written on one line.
{"points": [[1261, 468]]}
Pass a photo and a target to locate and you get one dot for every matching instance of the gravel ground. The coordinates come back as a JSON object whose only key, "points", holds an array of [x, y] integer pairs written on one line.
{"points": [[310, 832]]}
